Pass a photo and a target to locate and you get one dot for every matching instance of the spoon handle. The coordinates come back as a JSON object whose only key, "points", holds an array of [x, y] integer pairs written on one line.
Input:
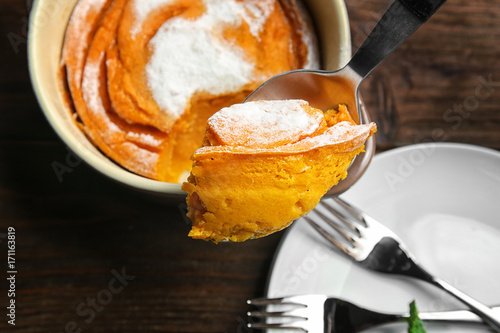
{"points": [[397, 24]]}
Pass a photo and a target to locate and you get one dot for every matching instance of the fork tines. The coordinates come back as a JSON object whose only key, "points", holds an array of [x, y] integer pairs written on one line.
{"points": [[275, 313], [340, 216], [300, 313]]}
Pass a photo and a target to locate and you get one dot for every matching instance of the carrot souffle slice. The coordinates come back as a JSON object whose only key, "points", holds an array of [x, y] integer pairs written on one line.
{"points": [[263, 164]]}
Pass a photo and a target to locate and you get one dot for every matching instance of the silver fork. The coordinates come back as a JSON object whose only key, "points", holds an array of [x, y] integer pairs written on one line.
{"points": [[320, 313], [374, 246]]}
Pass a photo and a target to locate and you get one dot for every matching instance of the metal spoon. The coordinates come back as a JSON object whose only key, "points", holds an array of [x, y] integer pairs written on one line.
{"points": [[326, 89]]}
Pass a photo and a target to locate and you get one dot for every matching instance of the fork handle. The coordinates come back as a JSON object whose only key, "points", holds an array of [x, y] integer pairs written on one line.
{"points": [[402, 262], [487, 314], [341, 316], [397, 24], [483, 311]]}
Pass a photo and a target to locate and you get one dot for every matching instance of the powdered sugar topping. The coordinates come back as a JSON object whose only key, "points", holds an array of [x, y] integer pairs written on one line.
{"points": [[255, 14], [342, 137], [279, 127], [189, 56], [265, 123], [143, 8]]}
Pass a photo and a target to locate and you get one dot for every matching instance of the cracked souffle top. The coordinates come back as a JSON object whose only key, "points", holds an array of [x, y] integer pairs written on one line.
{"points": [[143, 76], [264, 164]]}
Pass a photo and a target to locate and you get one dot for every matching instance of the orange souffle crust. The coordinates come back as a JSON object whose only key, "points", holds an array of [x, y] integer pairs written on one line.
{"points": [[263, 164]]}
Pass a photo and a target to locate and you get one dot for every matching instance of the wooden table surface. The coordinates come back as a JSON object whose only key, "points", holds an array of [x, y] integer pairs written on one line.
{"points": [[94, 256]]}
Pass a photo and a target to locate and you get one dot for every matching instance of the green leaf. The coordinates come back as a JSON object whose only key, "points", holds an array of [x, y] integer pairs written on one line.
{"points": [[415, 324]]}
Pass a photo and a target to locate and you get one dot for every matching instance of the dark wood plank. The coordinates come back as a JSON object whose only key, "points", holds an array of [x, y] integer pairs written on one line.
{"points": [[432, 87]]}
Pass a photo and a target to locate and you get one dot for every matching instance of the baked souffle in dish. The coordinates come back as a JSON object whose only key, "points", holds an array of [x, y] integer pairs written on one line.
{"points": [[142, 77]]}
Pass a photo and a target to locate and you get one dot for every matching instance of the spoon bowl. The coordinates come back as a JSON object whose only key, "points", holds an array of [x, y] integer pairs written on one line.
{"points": [[326, 90]]}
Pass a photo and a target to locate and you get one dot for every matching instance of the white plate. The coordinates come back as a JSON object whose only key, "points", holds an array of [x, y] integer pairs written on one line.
{"points": [[443, 200]]}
